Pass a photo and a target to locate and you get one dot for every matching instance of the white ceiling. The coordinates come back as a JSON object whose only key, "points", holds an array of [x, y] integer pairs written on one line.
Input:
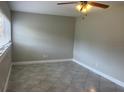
{"points": [[51, 7]]}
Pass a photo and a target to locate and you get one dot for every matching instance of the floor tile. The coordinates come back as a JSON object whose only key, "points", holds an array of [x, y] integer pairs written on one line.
{"points": [[57, 77], [120, 89], [107, 86]]}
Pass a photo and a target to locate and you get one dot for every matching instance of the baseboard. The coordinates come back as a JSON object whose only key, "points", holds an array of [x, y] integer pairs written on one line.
{"points": [[7, 80], [118, 82], [31, 62], [64, 60], [41, 61]]}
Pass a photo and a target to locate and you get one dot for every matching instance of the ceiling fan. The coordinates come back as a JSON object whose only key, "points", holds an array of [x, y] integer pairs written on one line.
{"points": [[85, 6]]}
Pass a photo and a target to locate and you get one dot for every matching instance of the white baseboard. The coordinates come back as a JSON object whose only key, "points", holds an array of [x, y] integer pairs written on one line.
{"points": [[7, 80], [64, 60], [31, 62], [41, 61], [101, 73]]}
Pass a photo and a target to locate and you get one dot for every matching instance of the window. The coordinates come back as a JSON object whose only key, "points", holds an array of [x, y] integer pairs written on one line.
{"points": [[5, 34]]}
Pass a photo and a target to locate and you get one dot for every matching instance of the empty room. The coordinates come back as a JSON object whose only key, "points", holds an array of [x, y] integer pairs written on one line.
{"points": [[61, 46]]}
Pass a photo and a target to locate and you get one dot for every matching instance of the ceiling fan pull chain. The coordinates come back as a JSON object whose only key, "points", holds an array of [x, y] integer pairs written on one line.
{"points": [[83, 16]]}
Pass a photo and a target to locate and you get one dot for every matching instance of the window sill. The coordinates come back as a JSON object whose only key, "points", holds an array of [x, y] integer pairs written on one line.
{"points": [[4, 48]]}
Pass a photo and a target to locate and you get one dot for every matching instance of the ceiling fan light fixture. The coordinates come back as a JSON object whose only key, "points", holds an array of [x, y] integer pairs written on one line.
{"points": [[88, 6], [85, 8], [78, 7]]}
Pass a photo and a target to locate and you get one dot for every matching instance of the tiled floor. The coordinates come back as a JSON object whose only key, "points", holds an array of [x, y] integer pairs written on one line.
{"points": [[60, 77]]}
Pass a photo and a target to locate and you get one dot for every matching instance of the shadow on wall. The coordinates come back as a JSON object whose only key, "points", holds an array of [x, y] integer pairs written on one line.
{"points": [[41, 37], [99, 41]]}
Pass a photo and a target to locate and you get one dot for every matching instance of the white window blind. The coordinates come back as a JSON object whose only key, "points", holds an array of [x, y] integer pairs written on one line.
{"points": [[5, 33]]}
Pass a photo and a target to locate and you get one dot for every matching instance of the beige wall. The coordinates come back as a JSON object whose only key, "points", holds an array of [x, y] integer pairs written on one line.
{"points": [[99, 41], [41, 37], [5, 59]]}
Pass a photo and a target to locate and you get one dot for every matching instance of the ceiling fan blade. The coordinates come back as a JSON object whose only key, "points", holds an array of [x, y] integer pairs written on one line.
{"points": [[67, 3], [99, 5]]}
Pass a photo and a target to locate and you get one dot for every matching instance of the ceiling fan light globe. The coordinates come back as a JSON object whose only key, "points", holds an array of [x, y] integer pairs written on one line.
{"points": [[88, 7], [78, 7], [85, 8], [84, 11]]}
